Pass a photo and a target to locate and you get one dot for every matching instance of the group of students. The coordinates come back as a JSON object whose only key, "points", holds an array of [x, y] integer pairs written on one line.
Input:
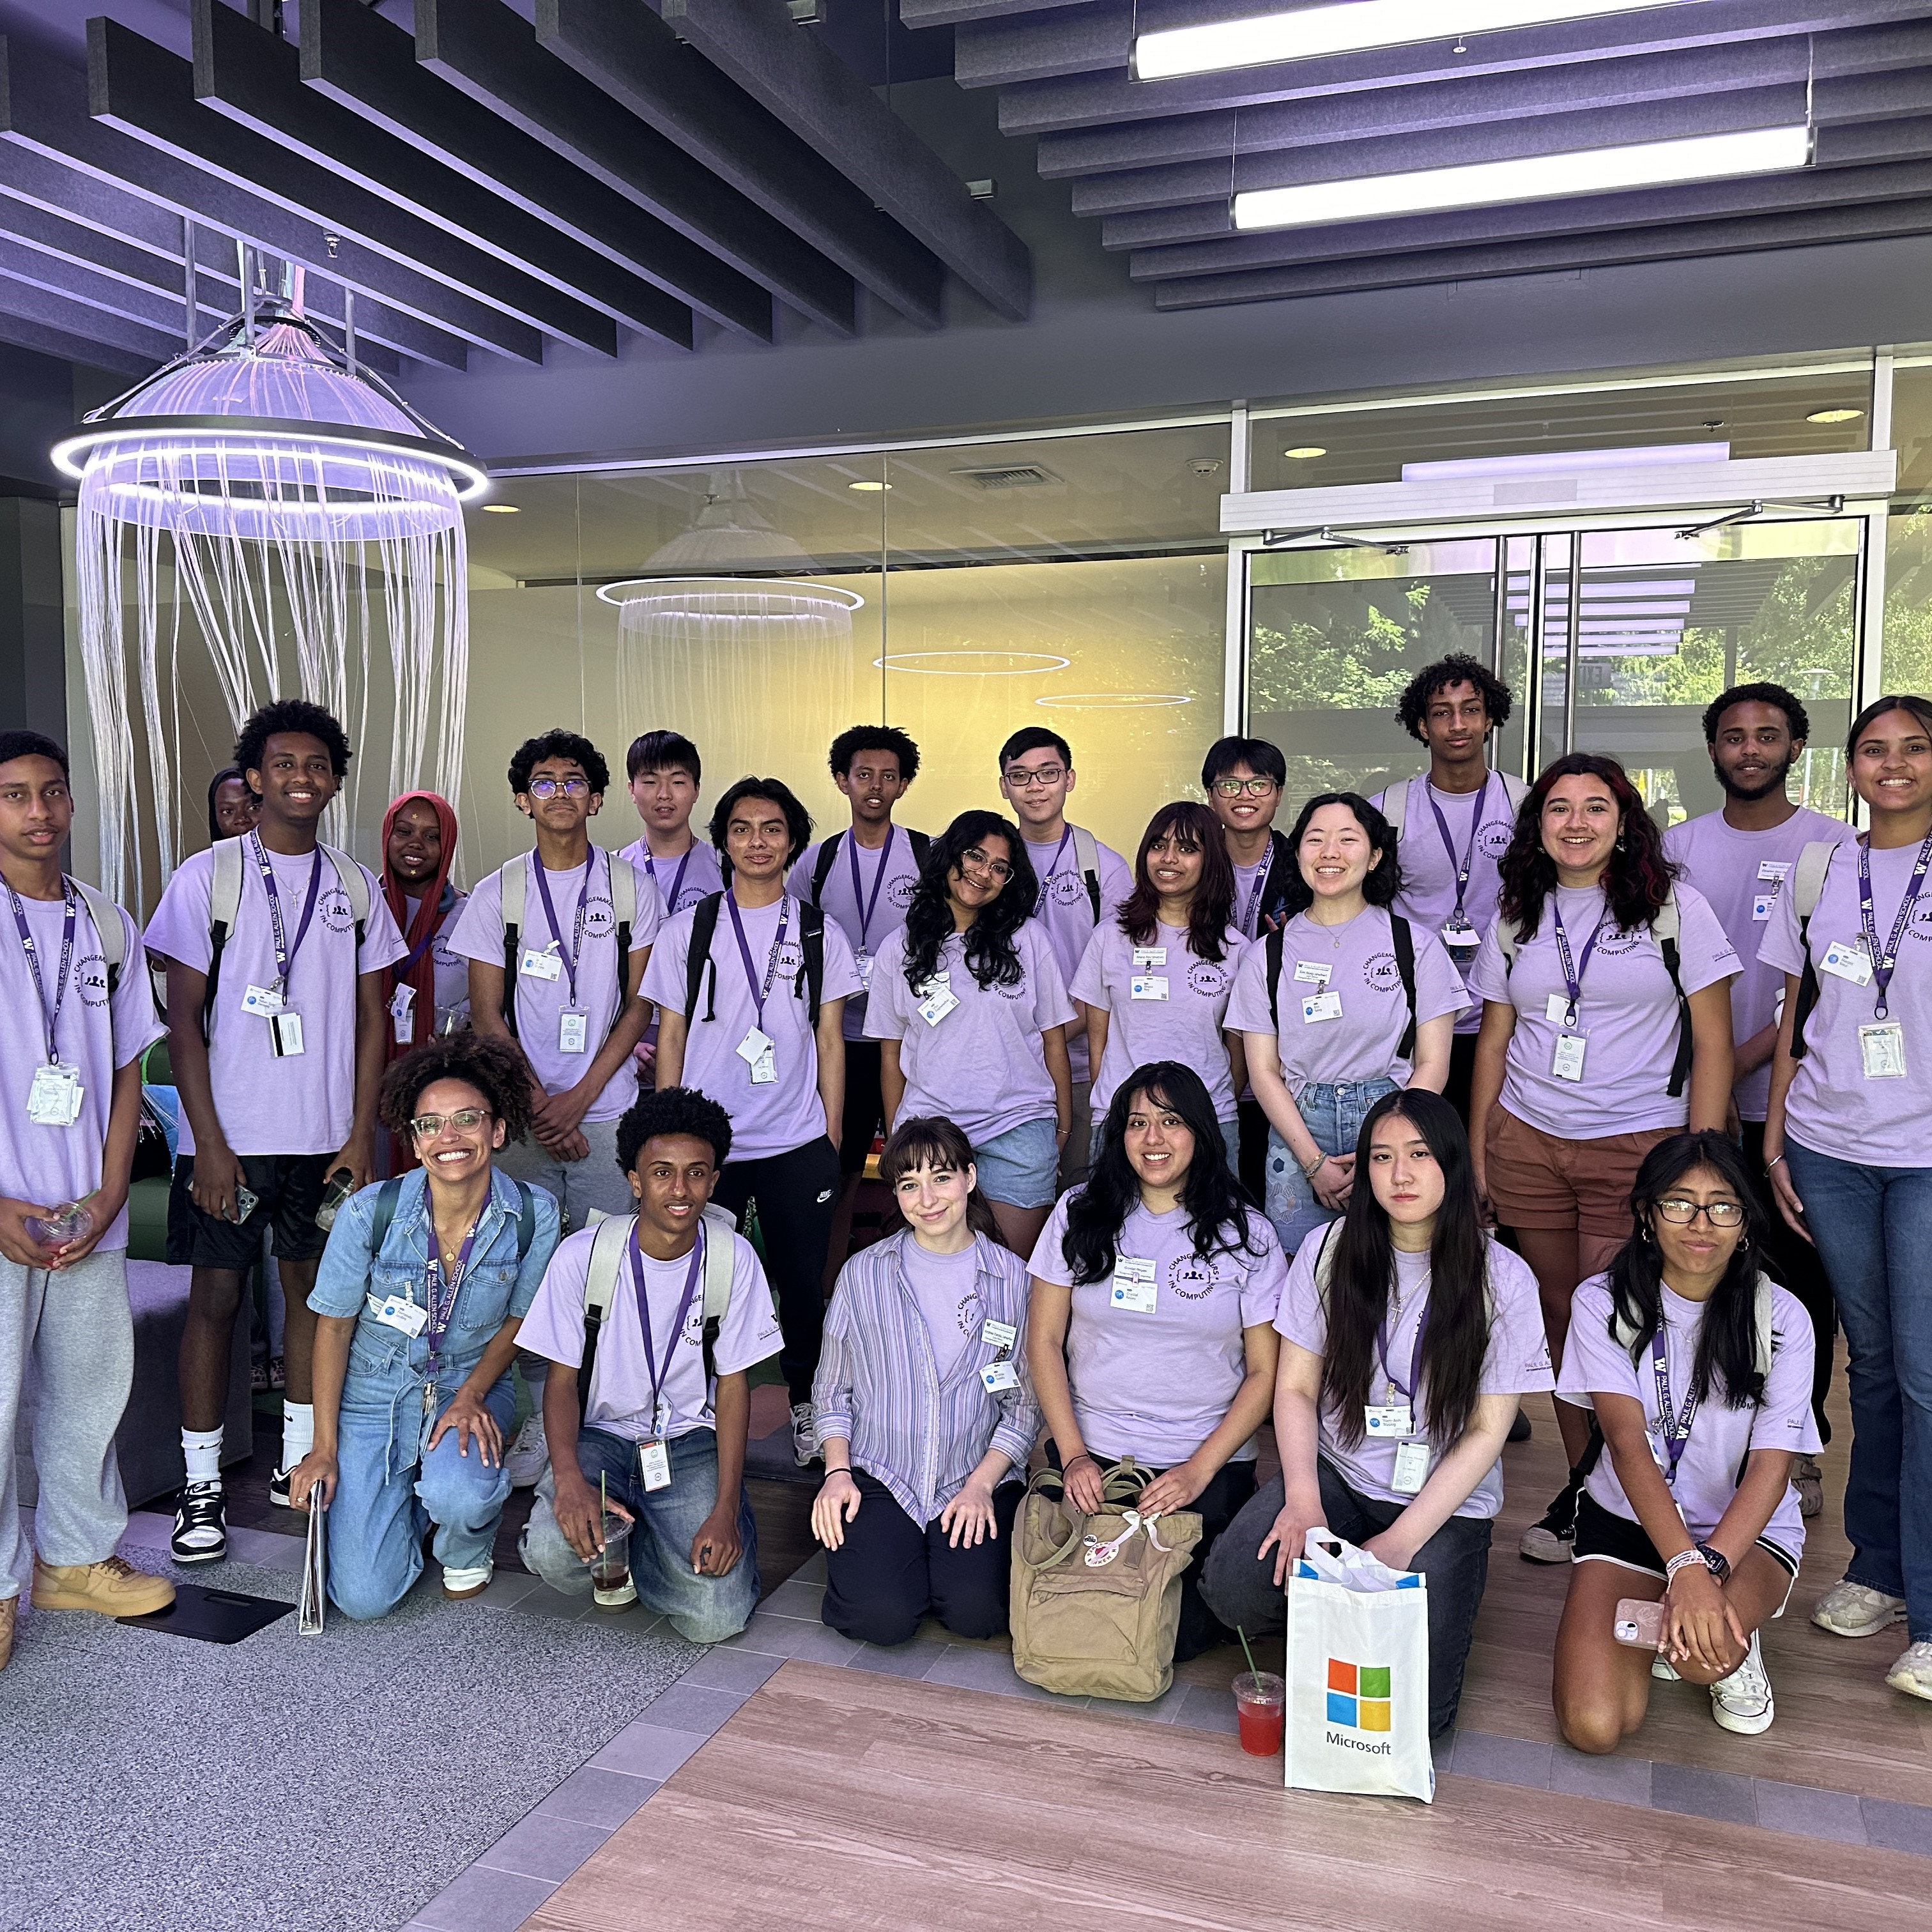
{"points": [[1603, 1082]]}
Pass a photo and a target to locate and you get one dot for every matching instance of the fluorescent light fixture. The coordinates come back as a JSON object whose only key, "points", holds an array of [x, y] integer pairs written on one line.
{"points": [[1557, 463], [1307, 31], [869, 486], [1835, 415], [504, 509], [1757, 150], [1303, 451]]}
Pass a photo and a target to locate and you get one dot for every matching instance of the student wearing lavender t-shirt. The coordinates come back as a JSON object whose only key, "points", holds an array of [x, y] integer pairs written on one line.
{"points": [[1154, 981], [1698, 1370], [278, 1094], [1740, 859], [1410, 1334], [426, 997], [1150, 1330], [1082, 883], [70, 1067], [665, 774], [1848, 1141], [971, 1015], [760, 1030], [1340, 1023], [1593, 1046]]}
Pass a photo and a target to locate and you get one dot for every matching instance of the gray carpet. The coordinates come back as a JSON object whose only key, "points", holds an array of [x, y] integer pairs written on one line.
{"points": [[332, 1783]]}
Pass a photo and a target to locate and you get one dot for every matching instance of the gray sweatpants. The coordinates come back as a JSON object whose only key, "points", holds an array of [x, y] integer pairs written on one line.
{"points": [[73, 1332]]}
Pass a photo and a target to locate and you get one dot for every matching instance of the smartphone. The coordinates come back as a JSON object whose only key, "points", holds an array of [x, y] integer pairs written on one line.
{"points": [[246, 1202], [1640, 1623]]}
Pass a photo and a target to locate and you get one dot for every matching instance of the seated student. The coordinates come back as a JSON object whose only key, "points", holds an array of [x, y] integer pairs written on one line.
{"points": [[1405, 1313], [922, 1406], [422, 1288], [1154, 981], [971, 1014], [661, 1429], [1699, 1369], [1343, 1004], [1151, 1332]]}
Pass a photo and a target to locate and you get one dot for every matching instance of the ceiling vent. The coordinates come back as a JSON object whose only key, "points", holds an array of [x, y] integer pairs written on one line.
{"points": [[1011, 476]]}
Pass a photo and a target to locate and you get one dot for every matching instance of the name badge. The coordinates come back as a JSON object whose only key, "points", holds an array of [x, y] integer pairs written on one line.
{"points": [[1763, 904], [998, 1376], [573, 1033], [756, 1052], [1393, 1418], [1000, 1334], [1881, 1050], [1556, 1009], [1320, 1007], [1775, 868], [939, 999], [1411, 1468], [1150, 955], [264, 1001], [397, 1311], [285, 1033], [1146, 986], [401, 1004], [1844, 961], [1313, 972], [1567, 1061], [654, 1465], [1133, 1288], [862, 963], [546, 963], [53, 1100], [1461, 938]]}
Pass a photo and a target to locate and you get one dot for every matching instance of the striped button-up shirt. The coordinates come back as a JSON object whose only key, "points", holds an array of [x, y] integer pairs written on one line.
{"points": [[878, 1385]]}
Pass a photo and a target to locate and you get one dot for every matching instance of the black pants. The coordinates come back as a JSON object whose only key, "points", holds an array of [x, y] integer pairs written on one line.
{"points": [[1253, 1126], [1217, 1506], [864, 1105], [1462, 1065], [1455, 1560], [1791, 1259], [889, 1571], [796, 1193]]}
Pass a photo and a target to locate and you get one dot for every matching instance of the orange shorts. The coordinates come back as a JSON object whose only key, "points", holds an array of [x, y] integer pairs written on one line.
{"points": [[1538, 1181]]}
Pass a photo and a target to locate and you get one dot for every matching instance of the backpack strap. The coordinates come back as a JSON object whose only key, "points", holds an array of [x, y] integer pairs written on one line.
{"points": [[821, 868], [922, 846], [1275, 943], [1087, 857], [600, 1290], [720, 1258], [1515, 790], [1395, 807], [512, 881], [1807, 885], [107, 922], [354, 884], [810, 983], [384, 1212], [224, 903], [624, 906], [526, 1221], [1665, 929], [1404, 936], [704, 928]]}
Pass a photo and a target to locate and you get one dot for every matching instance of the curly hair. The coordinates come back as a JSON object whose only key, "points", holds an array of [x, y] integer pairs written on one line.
{"points": [[848, 745], [673, 1110], [291, 715], [1213, 910], [1797, 719], [1635, 882], [773, 791], [558, 744], [1412, 706], [1384, 880], [494, 1067], [991, 956]]}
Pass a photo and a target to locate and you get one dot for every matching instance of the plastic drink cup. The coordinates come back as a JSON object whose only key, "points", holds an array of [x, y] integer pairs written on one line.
{"points": [[1260, 1701], [610, 1585], [71, 1223]]}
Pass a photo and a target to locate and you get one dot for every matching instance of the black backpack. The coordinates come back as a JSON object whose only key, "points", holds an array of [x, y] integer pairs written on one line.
{"points": [[811, 978], [1405, 964], [821, 868]]}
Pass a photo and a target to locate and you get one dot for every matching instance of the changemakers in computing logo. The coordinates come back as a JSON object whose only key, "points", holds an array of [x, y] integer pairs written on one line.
{"points": [[1359, 1700]]}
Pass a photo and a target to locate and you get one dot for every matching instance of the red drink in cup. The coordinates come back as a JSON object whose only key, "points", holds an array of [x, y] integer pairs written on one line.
{"points": [[1260, 1700]]}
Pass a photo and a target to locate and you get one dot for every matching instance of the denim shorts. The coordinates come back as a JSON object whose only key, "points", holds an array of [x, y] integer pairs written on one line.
{"points": [[1021, 1166], [1332, 1112]]}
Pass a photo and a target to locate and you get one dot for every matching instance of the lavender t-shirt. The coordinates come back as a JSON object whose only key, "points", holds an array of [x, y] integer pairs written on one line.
{"points": [[1067, 913], [49, 1166], [690, 877], [620, 1383], [1742, 874], [1156, 1385], [452, 970], [945, 1290], [1515, 1363], [542, 1003], [1357, 960], [982, 1067], [887, 898], [1832, 1108], [774, 1116], [1428, 895], [1720, 1437], [1628, 1015], [299, 1103], [1183, 1025]]}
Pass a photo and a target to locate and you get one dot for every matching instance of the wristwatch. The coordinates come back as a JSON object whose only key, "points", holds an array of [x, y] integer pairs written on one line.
{"points": [[1718, 1564]]}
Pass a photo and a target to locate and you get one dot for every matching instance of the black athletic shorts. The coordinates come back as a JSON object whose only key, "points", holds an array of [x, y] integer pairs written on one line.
{"points": [[290, 1186], [864, 1105], [1603, 1536]]}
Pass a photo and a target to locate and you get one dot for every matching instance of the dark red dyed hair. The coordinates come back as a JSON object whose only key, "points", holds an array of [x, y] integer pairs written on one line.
{"points": [[1635, 882]]}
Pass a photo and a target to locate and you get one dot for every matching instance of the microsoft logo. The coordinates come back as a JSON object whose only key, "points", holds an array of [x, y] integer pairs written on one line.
{"points": [[1358, 1695]]}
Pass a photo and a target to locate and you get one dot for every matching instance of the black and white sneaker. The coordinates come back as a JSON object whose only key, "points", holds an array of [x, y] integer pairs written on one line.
{"points": [[201, 1524], [1553, 1540], [278, 1491]]}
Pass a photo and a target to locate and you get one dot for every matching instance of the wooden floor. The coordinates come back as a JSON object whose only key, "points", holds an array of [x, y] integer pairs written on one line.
{"points": [[837, 1799]]}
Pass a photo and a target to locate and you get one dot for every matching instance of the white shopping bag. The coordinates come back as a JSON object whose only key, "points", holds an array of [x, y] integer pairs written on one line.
{"points": [[312, 1607], [1358, 1675]]}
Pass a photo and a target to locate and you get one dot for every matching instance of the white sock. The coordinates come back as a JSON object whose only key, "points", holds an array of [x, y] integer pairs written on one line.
{"points": [[297, 1431], [201, 1450]]}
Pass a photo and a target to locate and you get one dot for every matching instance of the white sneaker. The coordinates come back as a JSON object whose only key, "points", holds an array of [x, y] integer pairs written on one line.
{"points": [[460, 1583], [1912, 1673], [1850, 1610], [528, 1457], [1808, 1479], [1662, 1670], [1742, 1702], [805, 1452]]}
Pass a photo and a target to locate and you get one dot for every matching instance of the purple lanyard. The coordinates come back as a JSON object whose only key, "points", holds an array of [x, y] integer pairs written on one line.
{"points": [[404, 967], [442, 1307], [1045, 877], [759, 995], [866, 905], [1574, 970], [677, 883], [50, 1019], [1258, 887], [1469, 856], [571, 958], [1884, 965], [691, 1280], [285, 954], [1408, 1394], [1676, 1428]]}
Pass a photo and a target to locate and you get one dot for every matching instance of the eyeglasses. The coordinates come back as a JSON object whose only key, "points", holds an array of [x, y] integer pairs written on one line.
{"points": [[1047, 775], [1720, 1213], [465, 1121], [1254, 787], [979, 861], [547, 788]]}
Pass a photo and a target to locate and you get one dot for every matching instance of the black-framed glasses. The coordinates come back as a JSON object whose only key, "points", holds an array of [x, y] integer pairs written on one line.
{"points": [[465, 1121], [1254, 787], [982, 862], [571, 788], [1680, 1213], [1047, 775]]}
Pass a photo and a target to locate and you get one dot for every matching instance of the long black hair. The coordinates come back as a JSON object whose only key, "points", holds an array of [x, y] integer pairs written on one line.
{"points": [[1727, 1341], [1384, 879], [1213, 908], [991, 957], [1456, 1334], [1218, 1219], [1635, 882], [931, 1140]]}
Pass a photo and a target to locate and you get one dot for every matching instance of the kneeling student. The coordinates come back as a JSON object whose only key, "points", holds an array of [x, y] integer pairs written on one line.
{"points": [[422, 1289], [922, 1406], [1700, 1371], [649, 1339]]}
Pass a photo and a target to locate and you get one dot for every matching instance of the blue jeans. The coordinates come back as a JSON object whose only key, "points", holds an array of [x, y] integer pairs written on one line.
{"points": [[382, 1505], [701, 1610], [1873, 1228], [1333, 1112]]}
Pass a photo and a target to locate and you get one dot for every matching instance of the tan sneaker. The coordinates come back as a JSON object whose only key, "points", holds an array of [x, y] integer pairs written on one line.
{"points": [[10, 1609], [112, 1587]]}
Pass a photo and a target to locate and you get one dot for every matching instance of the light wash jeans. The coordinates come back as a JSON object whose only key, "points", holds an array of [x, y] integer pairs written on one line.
{"points": [[1333, 1112], [1873, 1228]]}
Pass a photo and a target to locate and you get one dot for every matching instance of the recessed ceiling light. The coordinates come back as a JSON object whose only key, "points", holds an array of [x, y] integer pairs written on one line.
{"points": [[503, 509], [1302, 452], [1835, 415], [870, 487]]}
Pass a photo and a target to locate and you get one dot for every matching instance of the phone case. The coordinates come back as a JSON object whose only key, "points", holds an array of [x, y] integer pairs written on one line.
{"points": [[1639, 1623]]}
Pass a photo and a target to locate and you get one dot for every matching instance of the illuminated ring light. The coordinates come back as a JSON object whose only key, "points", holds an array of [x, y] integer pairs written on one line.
{"points": [[1111, 700], [677, 591], [1035, 664]]}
